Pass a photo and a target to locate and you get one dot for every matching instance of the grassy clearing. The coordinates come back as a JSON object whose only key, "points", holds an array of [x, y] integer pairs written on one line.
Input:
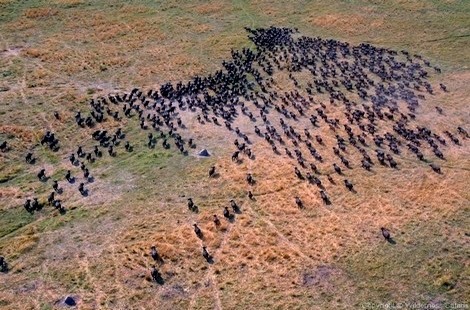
{"points": [[13, 219], [394, 274]]}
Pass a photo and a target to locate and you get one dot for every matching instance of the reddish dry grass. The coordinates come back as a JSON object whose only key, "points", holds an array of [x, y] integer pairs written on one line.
{"points": [[6, 192], [25, 135]]}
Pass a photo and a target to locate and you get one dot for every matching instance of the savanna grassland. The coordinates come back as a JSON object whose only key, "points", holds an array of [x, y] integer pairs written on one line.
{"points": [[58, 55]]}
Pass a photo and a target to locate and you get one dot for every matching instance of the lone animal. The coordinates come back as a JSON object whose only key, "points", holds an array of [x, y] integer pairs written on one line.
{"points": [[212, 171], [82, 189], [3, 264], [435, 168], [35, 204], [198, 231], [55, 186], [366, 165], [51, 198], [386, 233], [190, 204], [227, 214], [216, 220], [235, 156], [29, 158], [206, 254], [348, 185], [250, 179], [330, 178], [234, 206], [337, 169], [27, 206], [155, 255], [324, 197], [42, 175], [4, 146], [463, 132], [68, 176]]}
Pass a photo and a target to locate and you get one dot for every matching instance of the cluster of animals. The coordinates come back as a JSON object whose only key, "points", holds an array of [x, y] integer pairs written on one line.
{"points": [[365, 96], [35, 205]]}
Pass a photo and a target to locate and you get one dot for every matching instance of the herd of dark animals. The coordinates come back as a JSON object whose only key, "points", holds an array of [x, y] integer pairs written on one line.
{"points": [[366, 82]]}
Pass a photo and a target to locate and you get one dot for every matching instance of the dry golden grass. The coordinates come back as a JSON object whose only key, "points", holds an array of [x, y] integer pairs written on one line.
{"points": [[69, 2], [210, 8], [202, 28], [19, 132], [351, 24], [22, 24], [40, 13], [34, 52], [415, 5]]}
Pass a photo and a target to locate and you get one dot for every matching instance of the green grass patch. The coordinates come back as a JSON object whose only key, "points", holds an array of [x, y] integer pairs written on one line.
{"points": [[424, 264], [13, 219]]}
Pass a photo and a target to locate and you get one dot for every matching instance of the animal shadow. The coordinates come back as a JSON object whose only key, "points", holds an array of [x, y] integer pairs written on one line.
{"points": [[238, 211], [391, 241]]}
